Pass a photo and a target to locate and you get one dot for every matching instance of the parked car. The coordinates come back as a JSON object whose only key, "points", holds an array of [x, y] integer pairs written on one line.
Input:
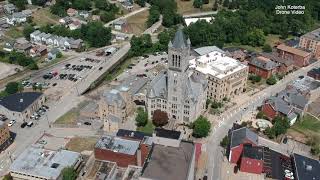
{"points": [[23, 125], [30, 124], [100, 68], [54, 84], [11, 123], [87, 123]]}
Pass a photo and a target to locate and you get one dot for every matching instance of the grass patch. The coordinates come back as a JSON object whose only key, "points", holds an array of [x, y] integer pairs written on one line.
{"points": [[119, 69], [247, 47], [14, 32], [186, 7], [79, 144], [148, 128], [137, 23], [272, 39], [308, 123], [43, 17], [71, 116]]}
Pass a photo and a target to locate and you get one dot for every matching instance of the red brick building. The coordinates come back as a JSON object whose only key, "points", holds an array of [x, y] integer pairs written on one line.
{"points": [[311, 42], [263, 67], [124, 151], [314, 73], [285, 66], [299, 57], [239, 137], [252, 159]]}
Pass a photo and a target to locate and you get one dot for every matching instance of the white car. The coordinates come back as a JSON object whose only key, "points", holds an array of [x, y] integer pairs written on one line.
{"points": [[11, 123]]}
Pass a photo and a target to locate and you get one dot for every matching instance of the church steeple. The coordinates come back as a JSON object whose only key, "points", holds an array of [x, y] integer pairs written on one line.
{"points": [[178, 52]]}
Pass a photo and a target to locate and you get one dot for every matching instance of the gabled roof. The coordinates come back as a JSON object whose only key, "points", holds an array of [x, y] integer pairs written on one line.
{"points": [[158, 86], [180, 41], [239, 136], [280, 105], [263, 63]]}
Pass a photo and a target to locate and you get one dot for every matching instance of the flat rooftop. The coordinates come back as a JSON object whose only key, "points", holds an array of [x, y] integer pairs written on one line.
{"points": [[306, 83], [169, 162], [306, 168], [117, 144], [216, 64], [44, 163]]}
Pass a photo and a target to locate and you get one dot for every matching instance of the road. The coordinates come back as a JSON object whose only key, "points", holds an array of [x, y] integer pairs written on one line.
{"points": [[68, 100], [128, 15], [233, 115]]}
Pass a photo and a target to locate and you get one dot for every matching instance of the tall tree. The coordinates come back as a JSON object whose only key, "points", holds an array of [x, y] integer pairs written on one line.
{"points": [[160, 118], [201, 127], [141, 118]]}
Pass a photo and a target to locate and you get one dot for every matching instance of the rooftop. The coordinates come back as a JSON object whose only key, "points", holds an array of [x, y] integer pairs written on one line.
{"points": [[130, 134], [191, 20], [44, 163], [306, 168], [117, 144], [216, 64], [169, 162], [292, 50], [133, 84], [167, 133], [20, 101], [306, 83], [263, 63], [253, 152], [240, 135], [315, 35]]}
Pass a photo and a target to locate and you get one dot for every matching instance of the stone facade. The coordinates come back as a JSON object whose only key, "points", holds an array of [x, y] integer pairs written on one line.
{"points": [[226, 76], [311, 42], [177, 90]]}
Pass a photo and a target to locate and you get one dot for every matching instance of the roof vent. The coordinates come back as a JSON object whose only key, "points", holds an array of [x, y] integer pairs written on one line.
{"points": [[132, 134], [309, 168], [21, 100]]}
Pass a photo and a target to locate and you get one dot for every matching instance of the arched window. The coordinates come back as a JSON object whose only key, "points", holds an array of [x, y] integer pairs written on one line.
{"points": [[172, 60], [175, 64], [179, 62]]}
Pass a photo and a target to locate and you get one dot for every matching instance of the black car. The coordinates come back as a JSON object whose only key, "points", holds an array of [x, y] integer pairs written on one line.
{"points": [[87, 123], [23, 125], [54, 84], [100, 68]]}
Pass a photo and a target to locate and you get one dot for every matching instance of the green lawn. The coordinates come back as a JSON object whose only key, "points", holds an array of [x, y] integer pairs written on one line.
{"points": [[148, 129], [71, 116], [79, 144], [14, 32], [308, 124]]}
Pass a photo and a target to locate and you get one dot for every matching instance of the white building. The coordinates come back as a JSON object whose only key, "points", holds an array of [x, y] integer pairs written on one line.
{"points": [[36, 163], [226, 76], [177, 91]]}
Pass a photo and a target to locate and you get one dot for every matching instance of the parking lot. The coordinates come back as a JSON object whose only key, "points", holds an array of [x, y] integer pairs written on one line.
{"points": [[145, 66]]}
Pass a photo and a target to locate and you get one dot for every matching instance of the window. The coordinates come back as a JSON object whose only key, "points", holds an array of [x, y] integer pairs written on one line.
{"points": [[174, 98]]}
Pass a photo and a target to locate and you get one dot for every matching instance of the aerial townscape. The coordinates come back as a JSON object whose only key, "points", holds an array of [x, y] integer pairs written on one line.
{"points": [[159, 89]]}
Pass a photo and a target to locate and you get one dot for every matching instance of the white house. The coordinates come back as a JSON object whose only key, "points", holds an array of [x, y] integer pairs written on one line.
{"points": [[16, 18]]}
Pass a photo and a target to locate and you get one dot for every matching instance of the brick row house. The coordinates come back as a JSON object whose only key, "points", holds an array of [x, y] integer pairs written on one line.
{"points": [[284, 66], [311, 42], [292, 101], [263, 67], [299, 57]]}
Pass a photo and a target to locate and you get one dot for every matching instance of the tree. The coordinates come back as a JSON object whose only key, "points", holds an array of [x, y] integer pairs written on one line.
{"points": [[197, 3], [267, 48], [269, 132], [255, 38], [69, 174], [141, 3], [59, 55], [92, 29], [20, 4], [27, 30], [215, 5], [154, 15], [271, 81], [141, 118], [39, 2], [281, 124], [160, 118], [225, 142], [260, 115], [7, 177], [107, 16], [201, 127], [82, 4], [254, 78], [13, 87]]}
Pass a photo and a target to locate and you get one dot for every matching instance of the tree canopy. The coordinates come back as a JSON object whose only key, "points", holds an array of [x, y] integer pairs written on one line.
{"points": [[13, 87], [201, 127], [252, 21], [141, 118], [69, 174], [159, 118]]}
